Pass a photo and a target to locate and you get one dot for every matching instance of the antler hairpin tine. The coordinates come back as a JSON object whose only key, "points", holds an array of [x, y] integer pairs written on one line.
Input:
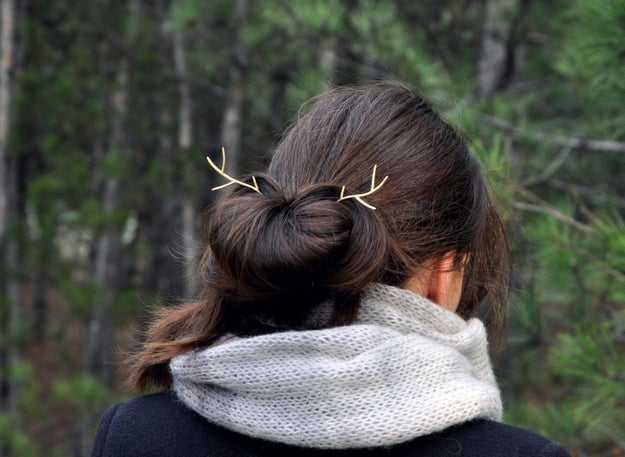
{"points": [[229, 178], [373, 189]]}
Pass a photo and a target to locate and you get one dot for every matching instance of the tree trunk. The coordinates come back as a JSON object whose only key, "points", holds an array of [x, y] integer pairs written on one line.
{"points": [[327, 61], [40, 301], [162, 218], [7, 53], [171, 231], [231, 125], [105, 268], [495, 53], [10, 257], [277, 104], [185, 140], [185, 114]]}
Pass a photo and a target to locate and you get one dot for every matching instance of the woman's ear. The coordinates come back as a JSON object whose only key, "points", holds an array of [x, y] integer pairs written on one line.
{"points": [[440, 282], [441, 287]]}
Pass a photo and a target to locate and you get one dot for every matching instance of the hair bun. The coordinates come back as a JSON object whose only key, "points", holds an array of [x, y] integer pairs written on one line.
{"points": [[272, 249]]}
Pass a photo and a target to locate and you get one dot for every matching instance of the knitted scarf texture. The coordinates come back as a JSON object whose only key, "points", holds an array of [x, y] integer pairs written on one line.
{"points": [[406, 368]]}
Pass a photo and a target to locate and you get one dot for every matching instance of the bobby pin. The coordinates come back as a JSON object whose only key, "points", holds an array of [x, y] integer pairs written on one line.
{"points": [[229, 178], [373, 189]]}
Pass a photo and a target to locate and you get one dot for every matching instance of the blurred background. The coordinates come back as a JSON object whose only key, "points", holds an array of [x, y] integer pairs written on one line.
{"points": [[109, 107]]}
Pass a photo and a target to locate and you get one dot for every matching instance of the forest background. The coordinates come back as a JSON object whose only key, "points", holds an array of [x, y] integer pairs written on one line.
{"points": [[108, 109]]}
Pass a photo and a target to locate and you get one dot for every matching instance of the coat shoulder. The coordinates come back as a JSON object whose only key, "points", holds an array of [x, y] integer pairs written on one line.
{"points": [[151, 425], [488, 438], [160, 425]]}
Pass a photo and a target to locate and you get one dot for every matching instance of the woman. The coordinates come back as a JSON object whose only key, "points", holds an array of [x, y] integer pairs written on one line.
{"points": [[336, 311]]}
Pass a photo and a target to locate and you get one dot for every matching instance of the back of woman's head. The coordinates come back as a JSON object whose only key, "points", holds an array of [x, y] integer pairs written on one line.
{"points": [[273, 255], [279, 252]]}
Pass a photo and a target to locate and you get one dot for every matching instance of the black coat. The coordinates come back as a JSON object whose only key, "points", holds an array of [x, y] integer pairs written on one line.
{"points": [[160, 425]]}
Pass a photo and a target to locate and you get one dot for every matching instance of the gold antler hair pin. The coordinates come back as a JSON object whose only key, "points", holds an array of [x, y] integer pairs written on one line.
{"points": [[232, 180], [373, 189]]}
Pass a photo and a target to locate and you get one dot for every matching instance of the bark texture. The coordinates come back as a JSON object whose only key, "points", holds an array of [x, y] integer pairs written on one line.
{"points": [[10, 202], [497, 47], [184, 202], [7, 53]]}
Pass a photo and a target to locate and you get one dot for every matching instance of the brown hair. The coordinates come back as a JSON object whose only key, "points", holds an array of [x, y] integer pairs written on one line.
{"points": [[271, 257]]}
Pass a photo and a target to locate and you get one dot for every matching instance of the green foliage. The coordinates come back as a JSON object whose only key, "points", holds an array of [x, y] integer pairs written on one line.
{"points": [[554, 420], [13, 434], [115, 164], [555, 265], [318, 18], [592, 358], [80, 296], [12, 437], [21, 372], [594, 49], [5, 309], [186, 12], [128, 304], [591, 60], [44, 193], [91, 214], [612, 231], [494, 158], [83, 392]]}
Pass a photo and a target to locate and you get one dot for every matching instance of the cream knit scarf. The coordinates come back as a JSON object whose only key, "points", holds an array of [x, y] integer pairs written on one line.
{"points": [[406, 368]]}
